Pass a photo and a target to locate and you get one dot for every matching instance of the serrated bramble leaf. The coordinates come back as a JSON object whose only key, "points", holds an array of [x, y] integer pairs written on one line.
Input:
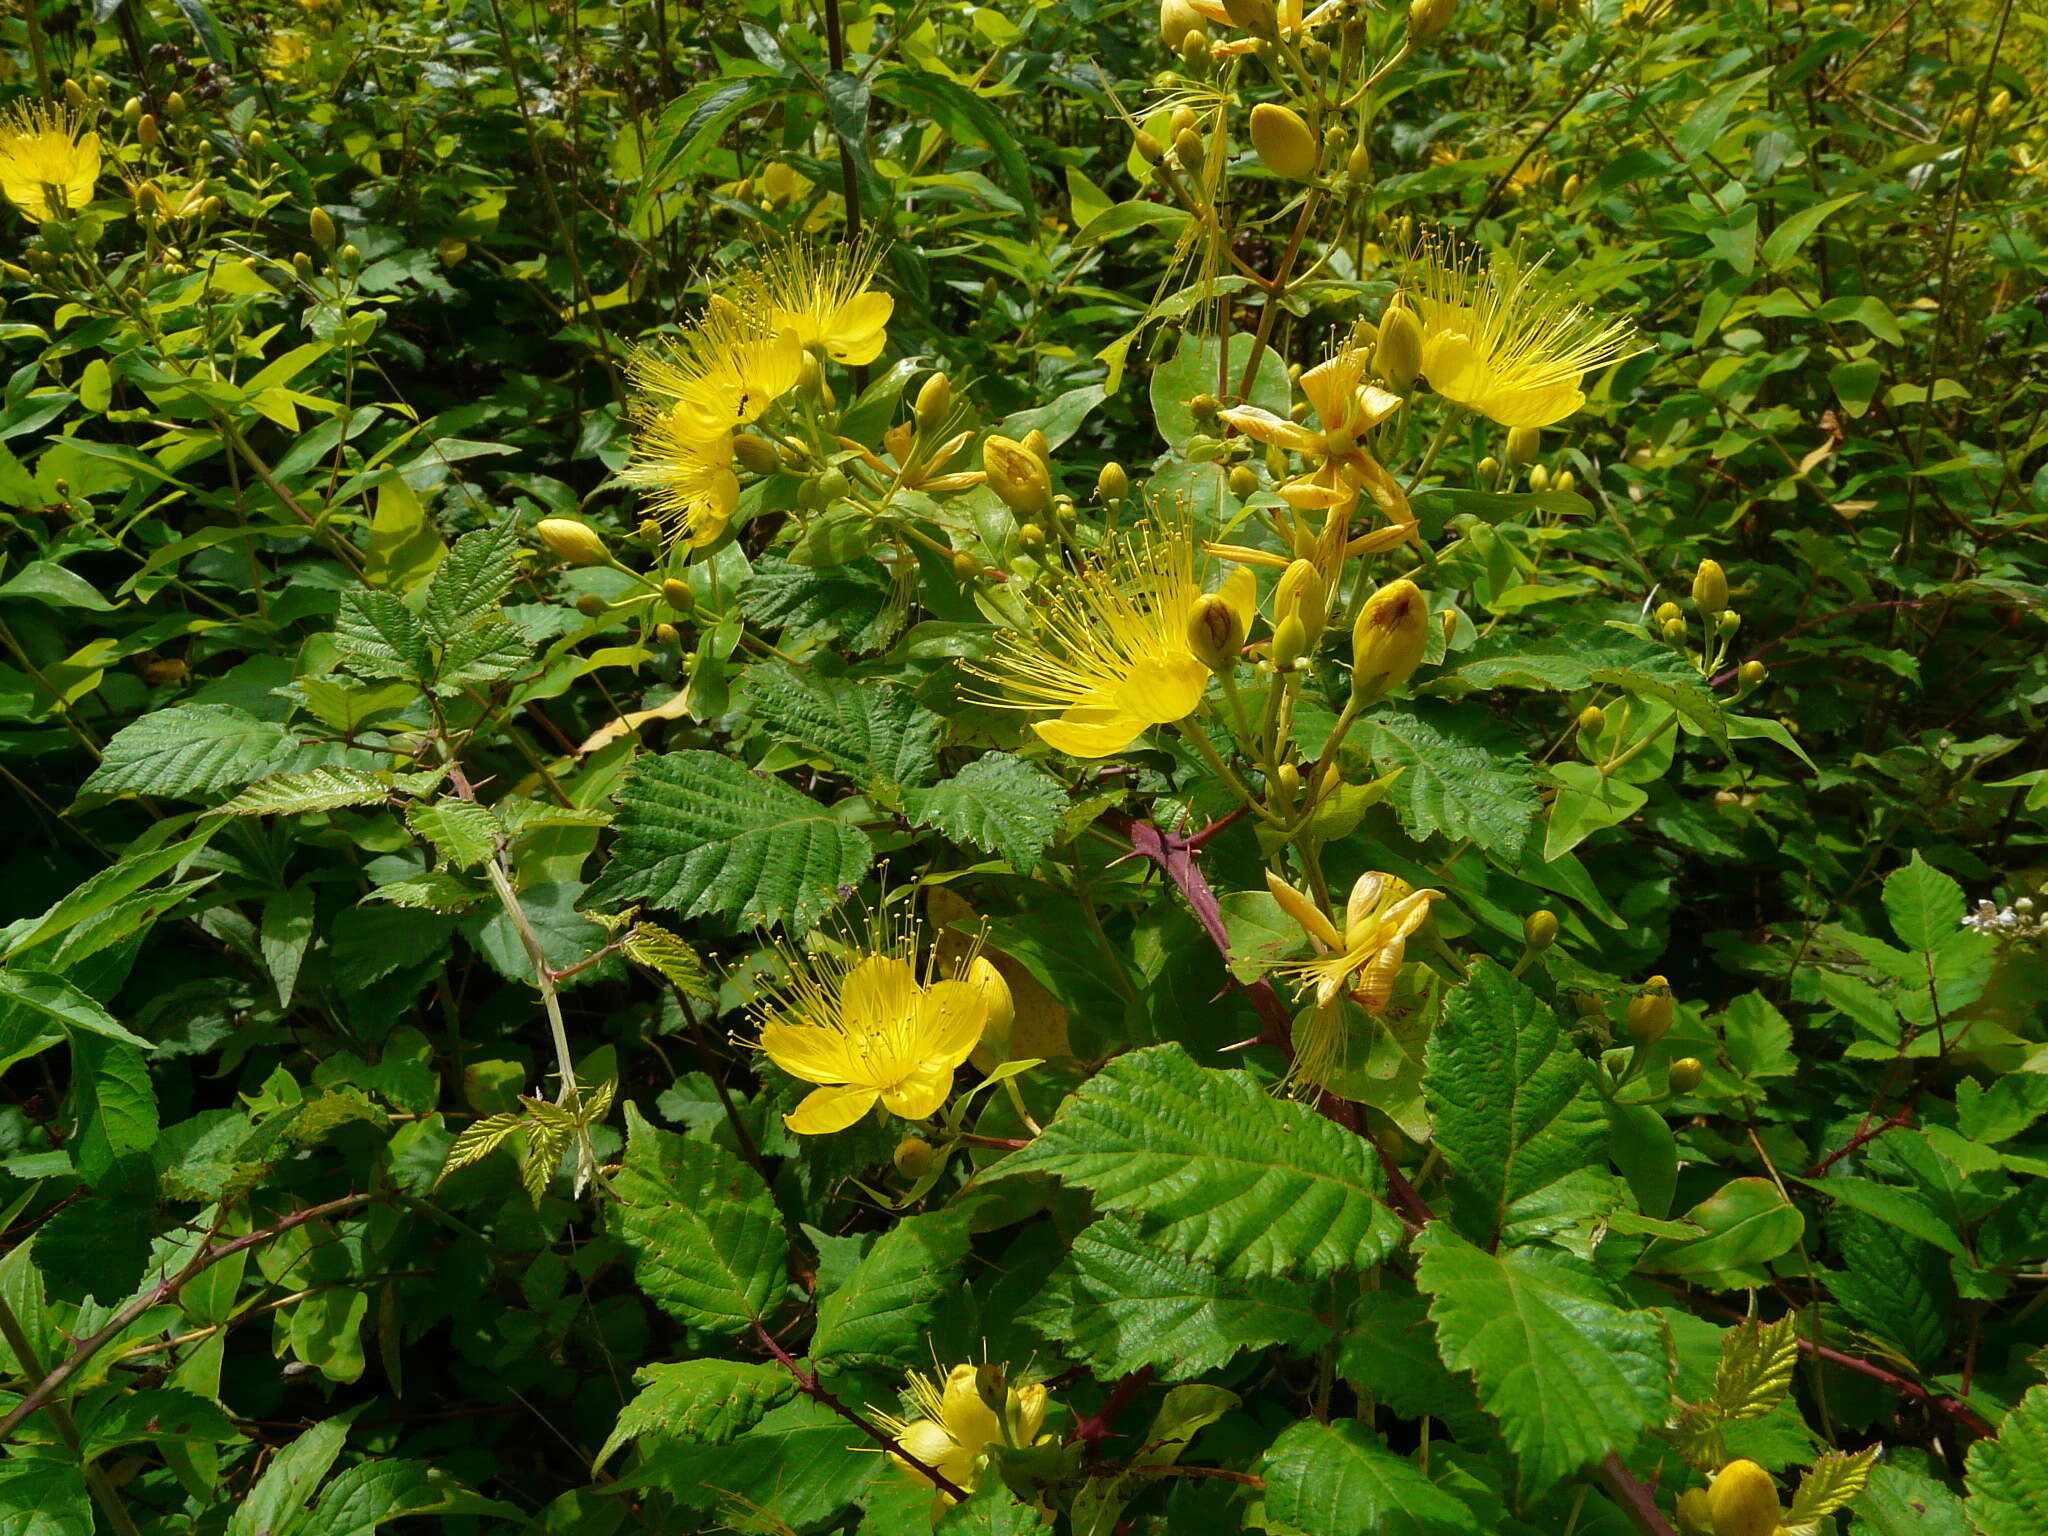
{"points": [[479, 1140], [702, 833], [378, 636], [1757, 1361], [998, 803], [1570, 658], [1464, 777], [316, 789], [1514, 1106], [700, 1402], [463, 833], [1569, 1375], [542, 1158], [2007, 1478], [1925, 906], [1343, 1477], [665, 954], [1119, 1303], [467, 586], [872, 732], [430, 892], [708, 1242], [489, 653], [1211, 1165], [876, 1318], [190, 751], [1831, 1483]]}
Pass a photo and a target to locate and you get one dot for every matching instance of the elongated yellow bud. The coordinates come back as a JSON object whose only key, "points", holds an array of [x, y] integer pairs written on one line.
{"points": [[1398, 357], [145, 130], [1539, 479], [1650, 1013], [1017, 475], [1290, 643], [74, 93], [1187, 149], [572, 542], [1258, 17], [1525, 444], [677, 595], [1427, 18], [323, 227], [1113, 484], [1177, 19], [1300, 595], [1710, 587], [1283, 142], [1744, 1501], [1215, 632], [934, 399], [754, 454], [1388, 639]]}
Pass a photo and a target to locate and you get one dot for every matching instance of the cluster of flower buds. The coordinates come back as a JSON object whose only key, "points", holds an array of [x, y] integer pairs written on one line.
{"points": [[2015, 924]]}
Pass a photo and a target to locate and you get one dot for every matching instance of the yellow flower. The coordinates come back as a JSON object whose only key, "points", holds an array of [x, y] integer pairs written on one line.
{"points": [[722, 373], [867, 1025], [1381, 915], [953, 1426], [1110, 651], [1505, 339], [284, 53], [1346, 408], [1291, 20], [48, 162], [688, 480], [823, 297]]}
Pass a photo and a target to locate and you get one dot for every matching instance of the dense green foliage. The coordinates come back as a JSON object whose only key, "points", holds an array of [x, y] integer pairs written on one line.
{"points": [[404, 899]]}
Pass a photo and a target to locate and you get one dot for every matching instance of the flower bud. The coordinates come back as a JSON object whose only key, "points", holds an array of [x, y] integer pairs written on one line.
{"points": [[145, 130], [131, 111], [1388, 638], [832, 485], [1729, 622], [1674, 630], [451, 252], [1539, 929], [1686, 1073], [965, 566], [755, 454], [256, 141], [1743, 1501], [1428, 18], [913, 1157], [1195, 53], [1290, 643], [1177, 19], [1570, 189], [74, 94], [1650, 1013], [1566, 482], [1592, 721], [1031, 537], [1752, 673], [591, 606], [666, 635], [302, 264], [1187, 149], [1666, 612], [934, 399], [323, 227], [1258, 17], [1710, 592], [1398, 357], [1150, 150], [677, 595], [1244, 482], [174, 105], [1358, 164], [350, 260], [572, 542], [1695, 1513], [1215, 632], [1204, 407], [1017, 475], [2000, 104], [1300, 595], [648, 532], [1287, 778], [1112, 485], [1283, 143], [1539, 479], [1183, 120]]}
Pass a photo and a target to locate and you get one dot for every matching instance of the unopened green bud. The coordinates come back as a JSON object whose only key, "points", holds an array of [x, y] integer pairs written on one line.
{"points": [[965, 566], [174, 105], [591, 606], [1650, 1013], [1300, 595], [1710, 587], [572, 542], [1031, 537], [1666, 612], [1592, 721], [913, 1157], [1525, 445], [755, 454], [146, 131], [1358, 164], [1150, 150], [1695, 1513], [1539, 929], [131, 111], [1752, 673], [666, 635], [1290, 643], [1674, 631], [1686, 1074], [1728, 623], [74, 94], [677, 595], [351, 260], [1244, 481], [1196, 55], [1489, 467], [1204, 407], [1539, 479], [1428, 18], [1112, 485], [833, 485], [1187, 149], [1566, 481]]}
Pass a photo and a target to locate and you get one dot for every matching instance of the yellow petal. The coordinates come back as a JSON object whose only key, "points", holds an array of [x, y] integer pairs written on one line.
{"points": [[815, 1055], [854, 335], [879, 994], [1090, 731], [1265, 427], [1530, 407], [970, 1421], [918, 1096], [825, 1110], [1240, 589], [1329, 386], [1297, 905], [1367, 892], [1163, 691], [950, 1019], [1453, 365]]}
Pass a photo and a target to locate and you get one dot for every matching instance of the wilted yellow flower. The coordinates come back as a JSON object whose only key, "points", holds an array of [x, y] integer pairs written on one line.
{"points": [[825, 298], [1382, 913], [954, 1425], [1346, 408], [868, 1024], [722, 373], [688, 478], [1290, 19], [48, 162], [1506, 340], [1110, 651]]}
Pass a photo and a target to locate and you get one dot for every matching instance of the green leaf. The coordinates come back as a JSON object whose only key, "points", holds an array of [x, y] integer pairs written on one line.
{"points": [[1388, 1347], [97, 1248], [799, 1465], [2007, 1478], [872, 732], [1569, 658], [1784, 242], [1569, 1375], [999, 803], [1906, 1209], [116, 1104], [1903, 1503], [190, 751], [1747, 1223], [708, 1243], [1213, 1166], [967, 118], [316, 789], [877, 1317], [1513, 1101], [1588, 801], [276, 1506], [371, 1493], [704, 1402], [463, 833], [992, 1510], [1829, 1484], [1340, 1479], [31, 1002], [1699, 131], [41, 1496], [1118, 1303], [1897, 1287], [1924, 905], [470, 583], [701, 833], [404, 545], [1463, 778], [376, 635], [1755, 1373]]}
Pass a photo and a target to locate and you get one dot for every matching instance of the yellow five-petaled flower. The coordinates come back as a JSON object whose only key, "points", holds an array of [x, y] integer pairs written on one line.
{"points": [[48, 162], [954, 1425]]}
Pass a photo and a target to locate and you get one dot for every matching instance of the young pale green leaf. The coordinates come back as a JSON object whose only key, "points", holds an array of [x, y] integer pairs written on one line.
{"points": [[2007, 1478], [998, 803], [1831, 1483], [1757, 1361], [1463, 778], [872, 732], [316, 789], [189, 752], [1211, 1165], [708, 1243], [702, 833], [1118, 1303], [877, 1317], [665, 954], [701, 1402], [1569, 1375], [1341, 1477], [1515, 1110], [479, 1140], [463, 833]]}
